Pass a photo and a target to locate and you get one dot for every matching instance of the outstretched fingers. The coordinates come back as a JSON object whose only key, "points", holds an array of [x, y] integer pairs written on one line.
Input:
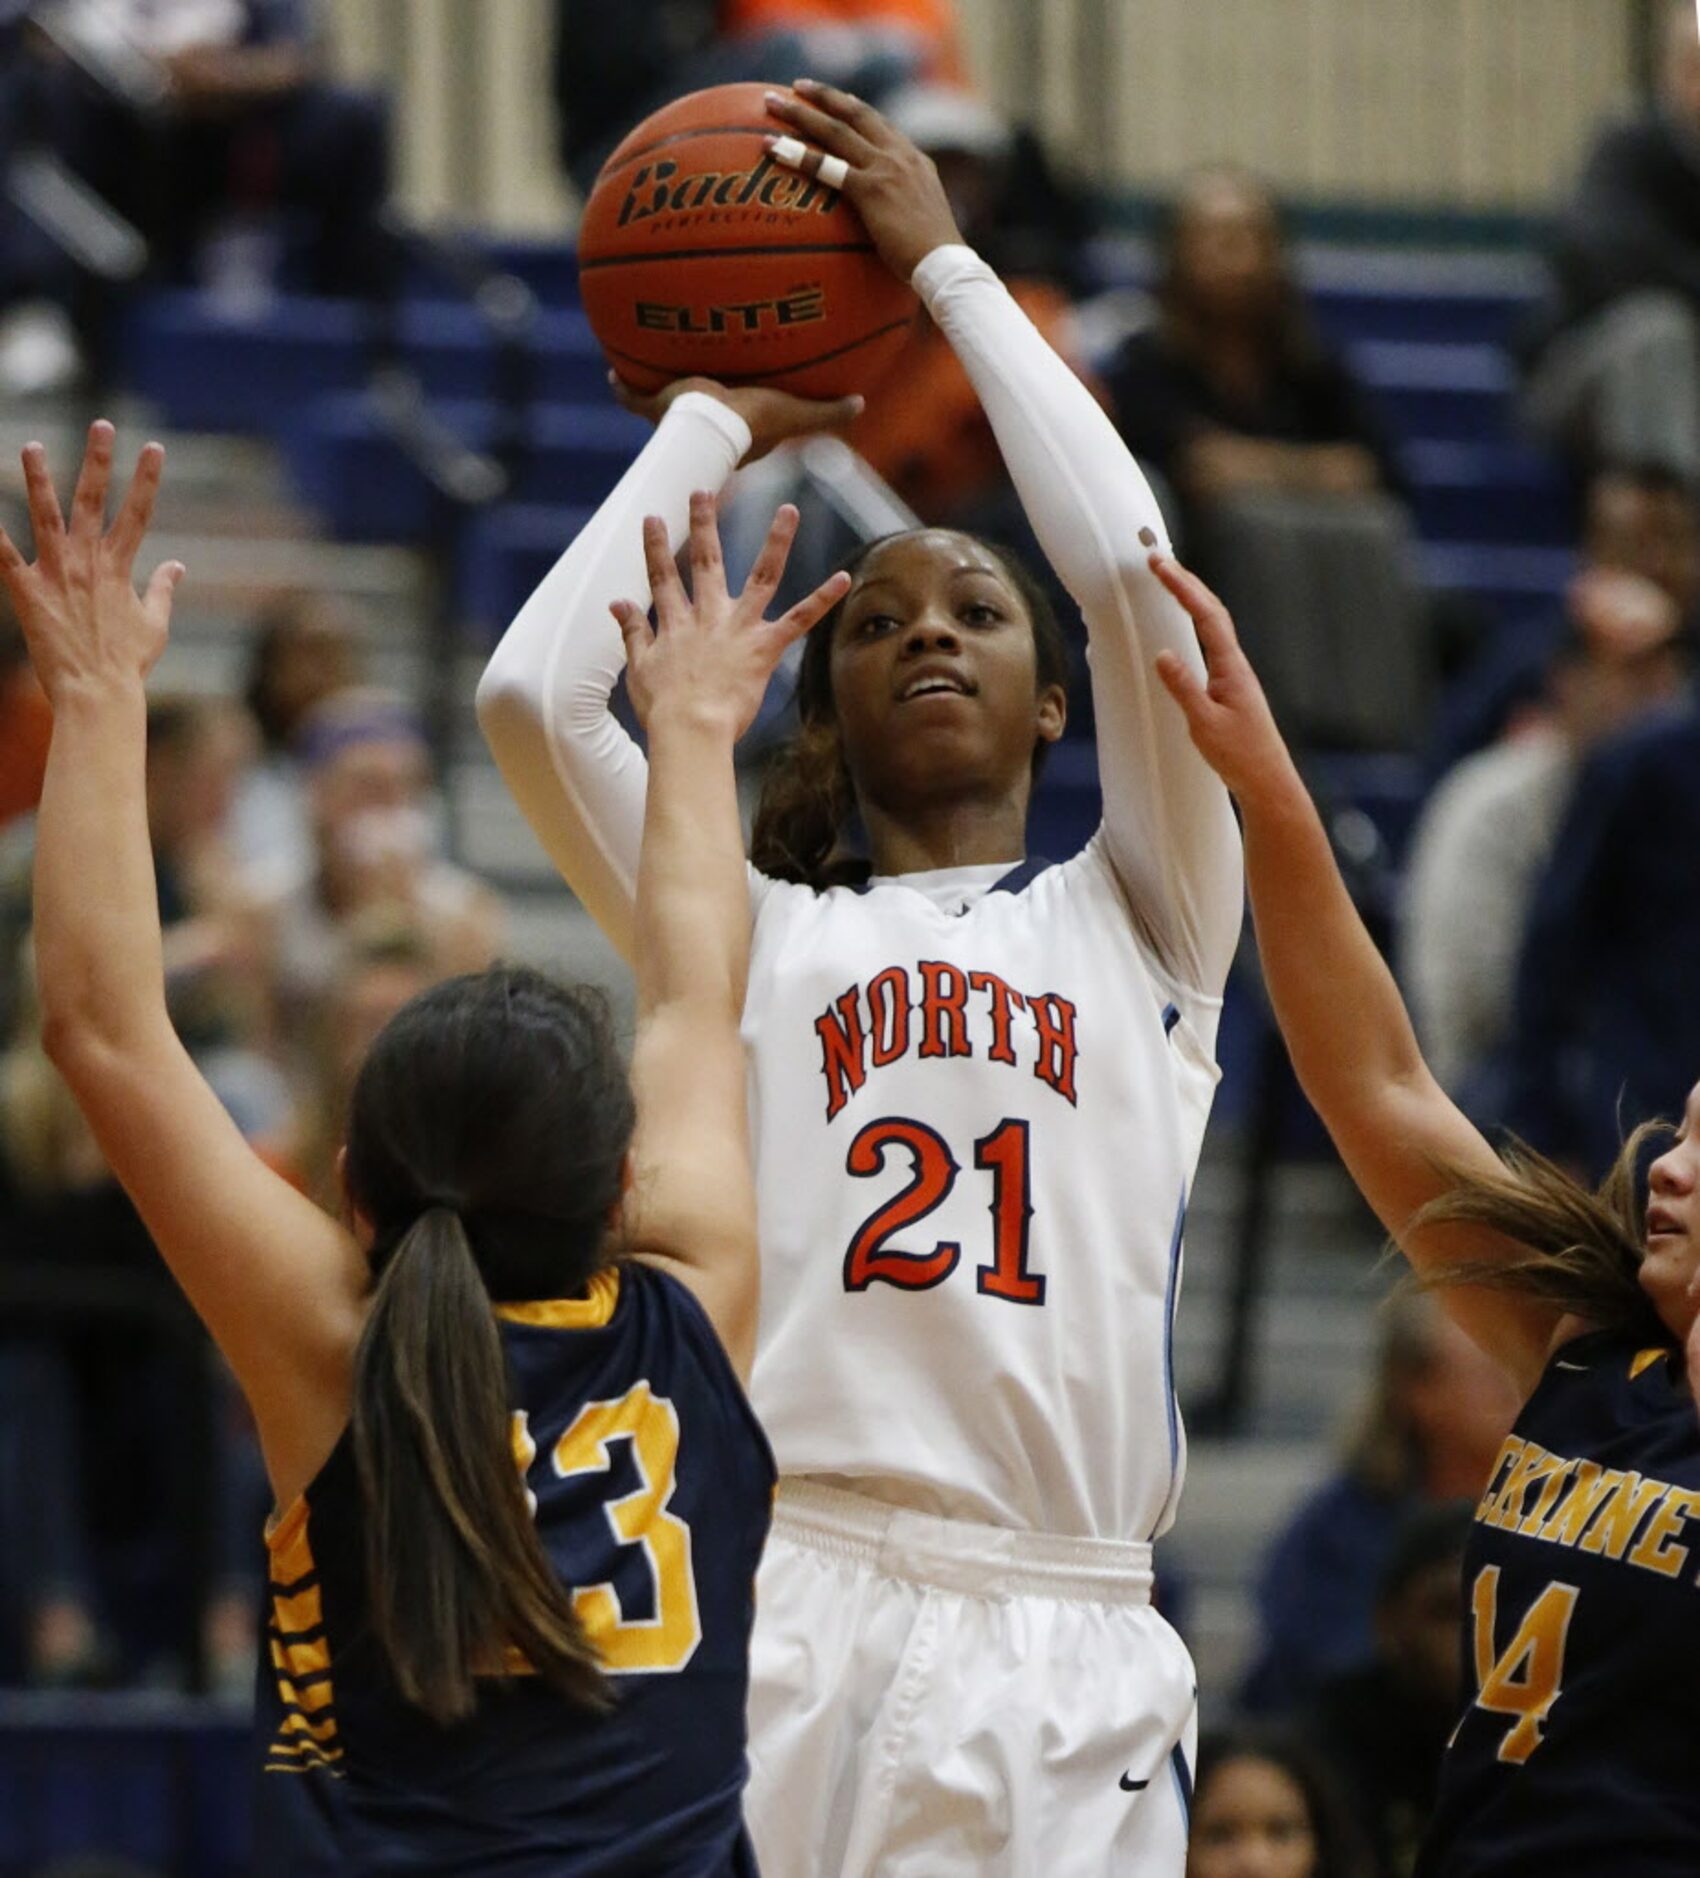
{"points": [[1215, 625], [665, 586], [708, 566], [769, 568], [634, 626], [46, 522], [162, 590], [136, 512], [88, 504], [807, 613]]}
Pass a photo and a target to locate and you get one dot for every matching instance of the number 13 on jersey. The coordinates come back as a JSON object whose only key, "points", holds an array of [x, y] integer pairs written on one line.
{"points": [[1003, 1154]]}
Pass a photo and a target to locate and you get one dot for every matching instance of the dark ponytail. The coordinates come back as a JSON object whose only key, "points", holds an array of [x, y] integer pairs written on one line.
{"points": [[455, 1568], [487, 1138], [807, 807]]}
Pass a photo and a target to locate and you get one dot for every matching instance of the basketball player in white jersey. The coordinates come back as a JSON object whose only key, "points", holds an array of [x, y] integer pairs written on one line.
{"points": [[979, 1086]]}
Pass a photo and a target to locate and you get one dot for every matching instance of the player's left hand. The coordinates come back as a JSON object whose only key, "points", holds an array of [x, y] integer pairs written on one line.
{"points": [[891, 184], [1226, 711], [711, 655], [81, 615]]}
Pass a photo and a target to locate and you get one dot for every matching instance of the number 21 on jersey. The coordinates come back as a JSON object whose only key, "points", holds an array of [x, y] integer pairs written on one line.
{"points": [[1527, 1677], [1003, 1154]]}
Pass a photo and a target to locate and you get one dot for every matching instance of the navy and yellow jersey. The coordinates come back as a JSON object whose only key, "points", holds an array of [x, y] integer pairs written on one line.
{"points": [[1580, 1752], [652, 1485]]}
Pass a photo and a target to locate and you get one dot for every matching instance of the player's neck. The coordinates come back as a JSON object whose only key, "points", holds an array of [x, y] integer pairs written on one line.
{"points": [[950, 834]]}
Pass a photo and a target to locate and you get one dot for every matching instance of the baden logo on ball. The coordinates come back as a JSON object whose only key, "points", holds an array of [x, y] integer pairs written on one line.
{"points": [[702, 254]]}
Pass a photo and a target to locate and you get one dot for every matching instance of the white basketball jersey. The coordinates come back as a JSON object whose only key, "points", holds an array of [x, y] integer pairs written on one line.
{"points": [[976, 1118]]}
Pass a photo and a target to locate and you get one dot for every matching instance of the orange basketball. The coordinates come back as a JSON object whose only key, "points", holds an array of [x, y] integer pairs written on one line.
{"points": [[700, 256]]}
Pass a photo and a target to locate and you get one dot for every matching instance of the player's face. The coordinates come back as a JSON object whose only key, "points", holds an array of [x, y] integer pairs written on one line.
{"points": [[934, 679], [1673, 1224], [1251, 1821]]}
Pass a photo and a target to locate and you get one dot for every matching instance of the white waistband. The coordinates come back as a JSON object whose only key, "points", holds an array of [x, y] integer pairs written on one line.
{"points": [[958, 1554]]}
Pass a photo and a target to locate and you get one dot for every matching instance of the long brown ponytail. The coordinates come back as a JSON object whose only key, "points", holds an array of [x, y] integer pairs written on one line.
{"points": [[1583, 1245], [456, 1572], [486, 1142]]}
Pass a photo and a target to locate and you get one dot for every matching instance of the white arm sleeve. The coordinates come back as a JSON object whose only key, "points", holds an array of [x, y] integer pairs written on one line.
{"points": [[543, 699], [1169, 827]]}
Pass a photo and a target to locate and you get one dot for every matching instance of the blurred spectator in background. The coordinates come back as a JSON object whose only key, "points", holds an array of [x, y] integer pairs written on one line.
{"points": [[1614, 360], [1262, 1807], [235, 124], [303, 652], [1636, 519], [374, 836], [1486, 835], [1437, 1415], [924, 431], [386, 959], [1382, 1729], [1606, 1030], [25, 725], [1287, 486], [616, 64]]}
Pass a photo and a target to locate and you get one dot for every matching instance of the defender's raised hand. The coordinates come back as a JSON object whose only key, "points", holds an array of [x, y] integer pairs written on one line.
{"points": [[77, 604], [1226, 711], [710, 654], [891, 184]]}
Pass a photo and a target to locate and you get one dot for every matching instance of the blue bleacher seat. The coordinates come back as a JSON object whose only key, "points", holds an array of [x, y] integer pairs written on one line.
{"points": [[506, 552]]}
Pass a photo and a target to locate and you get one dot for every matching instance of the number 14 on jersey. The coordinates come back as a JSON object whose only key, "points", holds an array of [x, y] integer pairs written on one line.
{"points": [[872, 1259]]}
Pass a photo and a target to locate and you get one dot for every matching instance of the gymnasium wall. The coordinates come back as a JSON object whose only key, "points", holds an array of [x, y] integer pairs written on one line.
{"points": [[1469, 104]]}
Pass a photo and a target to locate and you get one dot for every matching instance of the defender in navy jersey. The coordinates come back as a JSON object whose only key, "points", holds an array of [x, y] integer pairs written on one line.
{"points": [[1577, 1752], [1583, 1635], [645, 1463], [522, 1496]]}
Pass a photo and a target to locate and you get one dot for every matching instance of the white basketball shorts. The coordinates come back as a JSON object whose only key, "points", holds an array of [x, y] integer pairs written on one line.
{"points": [[935, 1699]]}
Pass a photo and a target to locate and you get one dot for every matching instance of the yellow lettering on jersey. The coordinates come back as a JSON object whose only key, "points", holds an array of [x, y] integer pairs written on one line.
{"points": [[525, 1452], [1502, 1470], [1527, 1678], [1654, 1549], [1508, 1506], [669, 1640], [1594, 1485], [1614, 1525], [1552, 1472]]}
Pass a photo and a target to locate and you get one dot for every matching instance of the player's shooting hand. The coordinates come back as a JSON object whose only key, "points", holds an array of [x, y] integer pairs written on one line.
{"points": [[710, 654], [774, 417], [1226, 711], [891, 184], [81, 615]]}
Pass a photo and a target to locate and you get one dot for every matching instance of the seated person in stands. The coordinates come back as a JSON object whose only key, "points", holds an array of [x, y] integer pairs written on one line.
{"points": [[1486, 836], [1437, 1415], [1605, 1023], [614, 64], [1382, 1729], [1614, 356], [303, 651], [25, 725], [1285, 481], [375, 849], [1263, 1806], [1232, 389], [247, 125], [925, 434]]}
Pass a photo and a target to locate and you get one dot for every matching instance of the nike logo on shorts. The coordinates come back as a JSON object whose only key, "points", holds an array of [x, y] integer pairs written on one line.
{"points": [[1133, 1786]]}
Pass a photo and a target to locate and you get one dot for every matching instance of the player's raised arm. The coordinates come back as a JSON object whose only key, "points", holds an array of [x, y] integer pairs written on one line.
{"points": [[1170, 829], [543, 699], [276, 1281], [696, 683], [1340, 1012]]}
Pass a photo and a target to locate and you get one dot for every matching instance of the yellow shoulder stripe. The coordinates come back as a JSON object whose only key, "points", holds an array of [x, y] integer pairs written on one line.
{"points": [[1644, 1360]]}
